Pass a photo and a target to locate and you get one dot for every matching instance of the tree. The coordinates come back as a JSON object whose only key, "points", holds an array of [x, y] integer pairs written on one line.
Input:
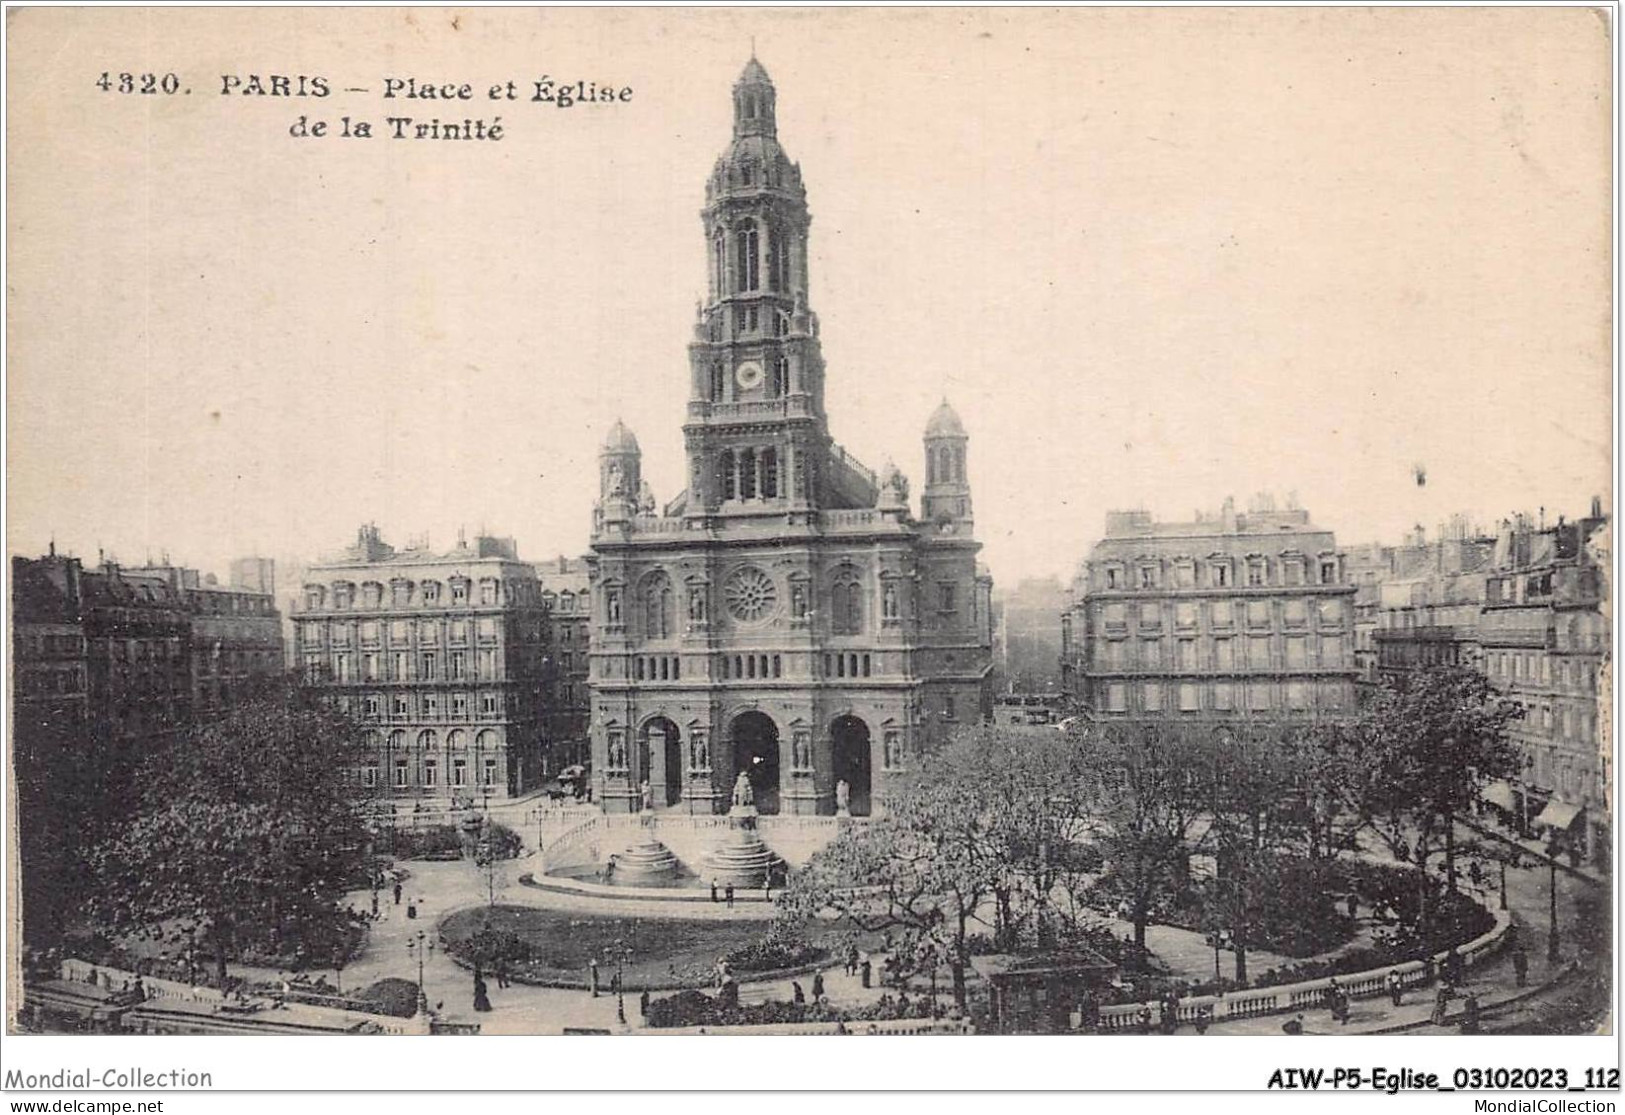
{"points": [[921, 870], [247, 831], [1433, 739], [1034, 788], [1147, 785]]}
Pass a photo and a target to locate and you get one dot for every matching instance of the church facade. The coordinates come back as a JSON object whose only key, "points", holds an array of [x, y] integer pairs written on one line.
{"points": [[787, 616]]}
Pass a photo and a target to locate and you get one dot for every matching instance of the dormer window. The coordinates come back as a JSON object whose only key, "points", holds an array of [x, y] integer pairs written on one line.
{"points": [[1111, 579]]}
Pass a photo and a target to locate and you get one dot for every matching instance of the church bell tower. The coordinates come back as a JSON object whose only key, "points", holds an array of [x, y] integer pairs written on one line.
{"points": [[756, 433]]}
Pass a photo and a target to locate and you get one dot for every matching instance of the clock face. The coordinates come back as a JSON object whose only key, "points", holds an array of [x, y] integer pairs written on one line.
{"points": [[749, 375]]}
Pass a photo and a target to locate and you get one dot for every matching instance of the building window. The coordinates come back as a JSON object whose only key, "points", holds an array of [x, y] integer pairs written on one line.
{"points": [[1152, 695], [948, 707], [402, 774], [1255, 573], [488, 592], [1258, 652], [431, 706], [1224, 654], [1221, 574], [490, 704], [1297, 695], [746, 238], [459, 706], [1151, 654], [1185, 614], [1148, 576], [1187, 654], [846, 600], [459, 592], [1116, 697], [459, 772], [1111, 578], [1297, 655], [945, 598], [428, 667], [398, 704], [1328, 571], [1223, 696], [1189, 697], [1258, 695], [369, 776], [431, 592], [488, 776]]}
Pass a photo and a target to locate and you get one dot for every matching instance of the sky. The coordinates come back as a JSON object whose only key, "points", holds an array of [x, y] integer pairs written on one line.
{"points": [[1154, 257]]}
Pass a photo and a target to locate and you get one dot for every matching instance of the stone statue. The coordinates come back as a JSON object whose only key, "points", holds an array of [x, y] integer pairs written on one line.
{"points": [[701, 751], [744, 792], [615, 481], [613, 604], [696, 604], [648, 796], [843, 798], [646, 499]]}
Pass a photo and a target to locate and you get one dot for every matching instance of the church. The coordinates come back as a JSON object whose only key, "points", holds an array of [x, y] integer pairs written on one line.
{"points": [[787, 616]]}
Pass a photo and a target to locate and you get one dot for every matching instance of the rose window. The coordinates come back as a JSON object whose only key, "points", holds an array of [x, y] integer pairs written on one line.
{"points": [[750, 595]]}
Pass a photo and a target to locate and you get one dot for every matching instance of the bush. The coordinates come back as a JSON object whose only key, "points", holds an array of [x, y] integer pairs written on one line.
{"points": [[504, 842], [397, 998], [780, 947], [432, 842]]}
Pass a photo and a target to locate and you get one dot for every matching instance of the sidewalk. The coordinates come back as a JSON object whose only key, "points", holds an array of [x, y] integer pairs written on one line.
{"points": [[1533, 848]]}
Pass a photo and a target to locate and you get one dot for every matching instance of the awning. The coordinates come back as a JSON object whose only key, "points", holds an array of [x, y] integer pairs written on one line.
{"points": [[1500, 794], [1558, 814]]}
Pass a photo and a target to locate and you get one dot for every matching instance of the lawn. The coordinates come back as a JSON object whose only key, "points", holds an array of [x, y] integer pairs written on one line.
{"points": [[665, 954]]}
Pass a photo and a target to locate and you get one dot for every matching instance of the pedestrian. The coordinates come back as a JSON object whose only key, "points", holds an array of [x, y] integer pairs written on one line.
{"points": [[482, 997], [412, 910], [1396, 986], [1142, 1020], [1354, 906], [592, 975], [1441, 1004], [1520, 964], [1470, 1015], [1334, 997], [1453, 965], [868, 971], [797, 995], [1293, 1025], [1204, 1018], [374, 905], [643, 1004], [713, 890], [852, 959], [730, 893], [767, 887], [818, 985], [397, 892]]}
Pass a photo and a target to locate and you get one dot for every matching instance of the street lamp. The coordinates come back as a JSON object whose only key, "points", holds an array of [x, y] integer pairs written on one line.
{"points": [[420, 946], [620, 952], [1553, 945]]}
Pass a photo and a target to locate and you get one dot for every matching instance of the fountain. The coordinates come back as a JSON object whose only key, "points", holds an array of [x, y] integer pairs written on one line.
{"points": [[741, 858], [645, 862]]}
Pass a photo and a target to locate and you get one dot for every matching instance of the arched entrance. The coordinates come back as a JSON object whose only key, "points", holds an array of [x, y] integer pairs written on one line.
{"points": [[662, 754], [849, 739], [756, 752]]}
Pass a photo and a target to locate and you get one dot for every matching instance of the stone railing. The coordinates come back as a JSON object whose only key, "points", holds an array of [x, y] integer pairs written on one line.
{"points": [[161, 991], [895, 1027], [657, 524], [575, 846], [1309, 994]]}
